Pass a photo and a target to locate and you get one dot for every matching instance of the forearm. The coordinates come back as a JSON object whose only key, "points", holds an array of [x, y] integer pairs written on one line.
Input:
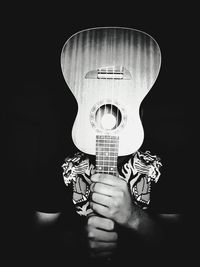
{"points": [[57, 231], [154, 228], [146, 226], [46, 229], [56, 237]]}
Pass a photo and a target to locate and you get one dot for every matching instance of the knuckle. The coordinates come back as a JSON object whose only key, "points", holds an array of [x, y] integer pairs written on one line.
{"points": [[97, 187], [115, 236], [92, 187], [115, 203], [102, 177], [90, 221], [94, 196], [110, 225], [121, 194], [110, 213], [92, 244], [94, 207], [90, 234]]}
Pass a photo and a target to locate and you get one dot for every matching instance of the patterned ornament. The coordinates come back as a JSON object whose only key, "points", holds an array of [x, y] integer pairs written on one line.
{"points": [[139, 172]]}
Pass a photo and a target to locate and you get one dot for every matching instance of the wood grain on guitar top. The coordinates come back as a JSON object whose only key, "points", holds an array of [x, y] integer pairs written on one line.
{"points": [[110, 70]]}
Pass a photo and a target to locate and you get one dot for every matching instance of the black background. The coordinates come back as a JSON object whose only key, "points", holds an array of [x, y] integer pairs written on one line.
{"points": [[38, 109]]}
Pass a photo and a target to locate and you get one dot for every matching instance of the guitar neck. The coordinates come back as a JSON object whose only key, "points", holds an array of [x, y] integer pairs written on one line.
{"points": [[106, 154]]}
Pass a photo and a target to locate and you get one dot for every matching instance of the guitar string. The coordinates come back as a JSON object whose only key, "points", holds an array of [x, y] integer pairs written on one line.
{"points": [[99, 109], [114, 112]]}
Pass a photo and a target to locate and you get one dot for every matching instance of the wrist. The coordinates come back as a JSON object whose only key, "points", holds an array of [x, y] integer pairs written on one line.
{"points": [[134, 219]]}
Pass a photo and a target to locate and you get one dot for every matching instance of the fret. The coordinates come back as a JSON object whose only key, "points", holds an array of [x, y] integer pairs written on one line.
{"points": [[110, 145], [109, 172], [105, 163], [106, 141], [106, 149], [107, 154], [105, 169], [107, 158], [108, 137]]}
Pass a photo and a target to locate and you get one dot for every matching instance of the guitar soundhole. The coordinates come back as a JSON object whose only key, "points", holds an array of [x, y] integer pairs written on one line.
{"points": [[108, 117]]}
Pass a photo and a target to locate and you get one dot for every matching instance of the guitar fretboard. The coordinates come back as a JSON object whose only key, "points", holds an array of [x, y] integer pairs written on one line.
{"points": [[106, 154]]}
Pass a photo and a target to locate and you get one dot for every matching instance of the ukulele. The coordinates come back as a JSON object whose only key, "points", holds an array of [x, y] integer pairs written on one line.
{"points": [[109, 70]]}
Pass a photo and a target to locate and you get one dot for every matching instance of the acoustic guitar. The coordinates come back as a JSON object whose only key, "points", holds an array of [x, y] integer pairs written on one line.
{"points": [[109, 70]]}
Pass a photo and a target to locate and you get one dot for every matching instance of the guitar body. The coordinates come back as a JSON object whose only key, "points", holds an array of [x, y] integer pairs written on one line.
{"points": [[109, 71]]}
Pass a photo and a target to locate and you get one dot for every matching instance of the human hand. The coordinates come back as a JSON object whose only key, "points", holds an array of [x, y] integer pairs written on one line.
{"points": [[111, 198], [102, 238]]}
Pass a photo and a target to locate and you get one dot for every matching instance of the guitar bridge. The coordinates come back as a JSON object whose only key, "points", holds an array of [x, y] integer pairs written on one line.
{"points": [[110, 72]]}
